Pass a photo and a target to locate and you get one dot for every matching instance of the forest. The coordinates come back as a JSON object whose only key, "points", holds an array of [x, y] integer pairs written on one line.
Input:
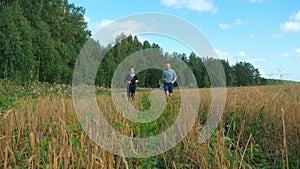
{"points": [[41, 40]]}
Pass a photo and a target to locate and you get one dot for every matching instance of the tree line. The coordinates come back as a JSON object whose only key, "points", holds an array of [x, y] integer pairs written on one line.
{"points": [[240, 74], [41, 39]]}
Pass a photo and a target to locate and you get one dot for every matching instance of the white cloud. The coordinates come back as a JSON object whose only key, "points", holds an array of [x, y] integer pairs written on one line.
{"points": [[240, 22], [103, 23], [107, 30], [236, 23], [224, 26], [290, 26], [242, 54], [255, 60], [223, 55], [196, 5], [293, 25], [112, 29], [87, 19], [230, 56], [95, 27], [128, 27], [295, 16], [238, 57], [295, 54]]}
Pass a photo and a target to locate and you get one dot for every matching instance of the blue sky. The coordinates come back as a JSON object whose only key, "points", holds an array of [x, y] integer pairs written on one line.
{"points": [[265, 33]]}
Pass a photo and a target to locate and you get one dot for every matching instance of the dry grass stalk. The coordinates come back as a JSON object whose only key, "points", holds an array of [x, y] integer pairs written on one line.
{"points": [[51, 122]]}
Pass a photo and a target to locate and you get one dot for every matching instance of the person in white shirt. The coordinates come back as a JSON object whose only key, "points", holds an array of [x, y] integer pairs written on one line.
{"points": [[169, 77]]}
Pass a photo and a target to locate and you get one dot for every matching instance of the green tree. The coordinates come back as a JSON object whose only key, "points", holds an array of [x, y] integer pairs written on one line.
{"points": [[231, 79], [245, 73], [198, 69], [68, 31], [17, 57]]}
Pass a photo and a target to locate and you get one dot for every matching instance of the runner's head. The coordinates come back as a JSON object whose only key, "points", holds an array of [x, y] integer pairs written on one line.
{"points": [[168, 66], [132, 70]]}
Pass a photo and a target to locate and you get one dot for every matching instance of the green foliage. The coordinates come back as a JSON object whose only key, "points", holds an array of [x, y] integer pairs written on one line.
{"points": [[17, 59], [231, 79], [280, 82], [8, 96], [259, 153], [244, 73], [44, 149], [11, 92], [148, 163], [40, 40]]}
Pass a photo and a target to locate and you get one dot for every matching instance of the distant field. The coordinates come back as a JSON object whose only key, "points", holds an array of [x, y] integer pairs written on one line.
{"points": [[260, 129]]}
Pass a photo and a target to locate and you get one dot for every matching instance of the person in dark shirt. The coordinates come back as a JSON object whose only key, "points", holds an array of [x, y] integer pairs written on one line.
{"points": [[131, 80]]}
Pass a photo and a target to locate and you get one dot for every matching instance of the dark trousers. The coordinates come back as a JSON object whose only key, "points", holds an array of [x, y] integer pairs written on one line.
{"points": [[130, 91]]}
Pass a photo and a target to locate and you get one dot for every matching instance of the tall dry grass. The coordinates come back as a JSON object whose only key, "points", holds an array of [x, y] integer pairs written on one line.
{"points": [[44, 133]]}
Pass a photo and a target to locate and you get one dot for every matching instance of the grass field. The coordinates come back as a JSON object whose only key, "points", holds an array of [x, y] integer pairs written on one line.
{"points": [[260, 128]]}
